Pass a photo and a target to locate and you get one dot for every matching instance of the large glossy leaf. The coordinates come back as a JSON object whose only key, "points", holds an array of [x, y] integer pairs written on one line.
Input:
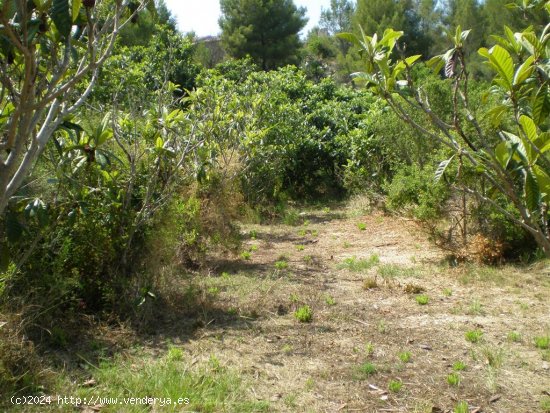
{"points": [[76, 4], [541, 105], [532, 193], [501, 61], [440, 171], [524, 71], [61, 16], [503, 154], [543, 181], [528, 127]]}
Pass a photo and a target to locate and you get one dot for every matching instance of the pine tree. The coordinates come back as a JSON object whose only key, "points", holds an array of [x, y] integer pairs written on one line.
{"points": [[267, 30]]}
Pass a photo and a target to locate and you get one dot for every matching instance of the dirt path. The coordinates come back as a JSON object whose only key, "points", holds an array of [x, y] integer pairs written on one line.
{"points": [[362, 284]]}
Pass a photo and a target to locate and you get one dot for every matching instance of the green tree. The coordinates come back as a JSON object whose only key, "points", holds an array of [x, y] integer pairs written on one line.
{"points": [[510, 154], [267, 30], [374, 16]]}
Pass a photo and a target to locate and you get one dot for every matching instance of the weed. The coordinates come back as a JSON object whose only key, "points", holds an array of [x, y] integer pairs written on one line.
{"points": [[362, 226], [346, 244], [462, 407], [357, 265], [494, 356], [447, 292], [369, 349], [453, 379], [514, 337], [382, 327], [405, 356], [393, 271], [542, 342], [290, 400], [366, 369], [302, 232], [281, 265], [287, 349], [475, 308], [395, 386], [300, 247], [175, 354], [245, 255], [306, 223], [473, 336], [225, 275], [545, 404], [294, 298], [253, 248], [459, 366], [304, 314], [329, 300], [291, 218], [326, 210], [310, 384], [422, 299], [308, 259], [370, 283], [253, 234], [315, 233]]}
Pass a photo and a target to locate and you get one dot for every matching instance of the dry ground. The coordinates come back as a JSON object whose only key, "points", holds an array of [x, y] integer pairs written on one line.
{"points": [[320, 366]]}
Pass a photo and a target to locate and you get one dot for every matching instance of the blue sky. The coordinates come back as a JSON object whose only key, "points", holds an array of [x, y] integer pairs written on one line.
{"points": [[201, 16]]}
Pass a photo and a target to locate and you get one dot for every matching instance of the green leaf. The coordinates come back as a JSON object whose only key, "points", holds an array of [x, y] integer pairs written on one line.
{"points": [[76, 9], [532, 193], [543, 180], [541, 105], [528, 127], [503, 154], [501, 61], [442, 168], [349, 37], [61, 16], [517, 145], [524, 71]]}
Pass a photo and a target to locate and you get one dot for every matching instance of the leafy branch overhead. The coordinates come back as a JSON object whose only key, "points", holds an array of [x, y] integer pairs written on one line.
{"points": [[511, 154]]}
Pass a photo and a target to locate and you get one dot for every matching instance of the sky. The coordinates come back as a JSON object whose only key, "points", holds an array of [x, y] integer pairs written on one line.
{"points": [[201, 16]]}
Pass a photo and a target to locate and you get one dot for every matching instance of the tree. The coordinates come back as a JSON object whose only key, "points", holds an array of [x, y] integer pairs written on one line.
{"points": [[50, 56], [510, 155], [338, 18], [374, 16], [267, 30]]}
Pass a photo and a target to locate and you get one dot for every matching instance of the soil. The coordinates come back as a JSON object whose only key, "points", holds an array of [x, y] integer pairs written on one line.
{"points": [[316, 366]]}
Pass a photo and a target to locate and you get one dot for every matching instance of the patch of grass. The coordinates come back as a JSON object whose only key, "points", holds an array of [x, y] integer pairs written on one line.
{"points": [[362, 226], [302, 232], [473, 336], [475, 308], [370, 283], [394, 271], [366, 370], [404, 356], [369, 349], [304, 314], [447, 292], [459, 366], [494, 356], [356, 265], [346, 244], [294, 298], [514, 337], [462, 407], [245, 255], [253, 248], [300, 247], [207, 387], [329, 300], [422, 299], [281, 265], [453, 379], [314, 233], [542, 342], [395, 386], [382, 327], [545, 404], [253, 234], [308, 259], [291, 218]]}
